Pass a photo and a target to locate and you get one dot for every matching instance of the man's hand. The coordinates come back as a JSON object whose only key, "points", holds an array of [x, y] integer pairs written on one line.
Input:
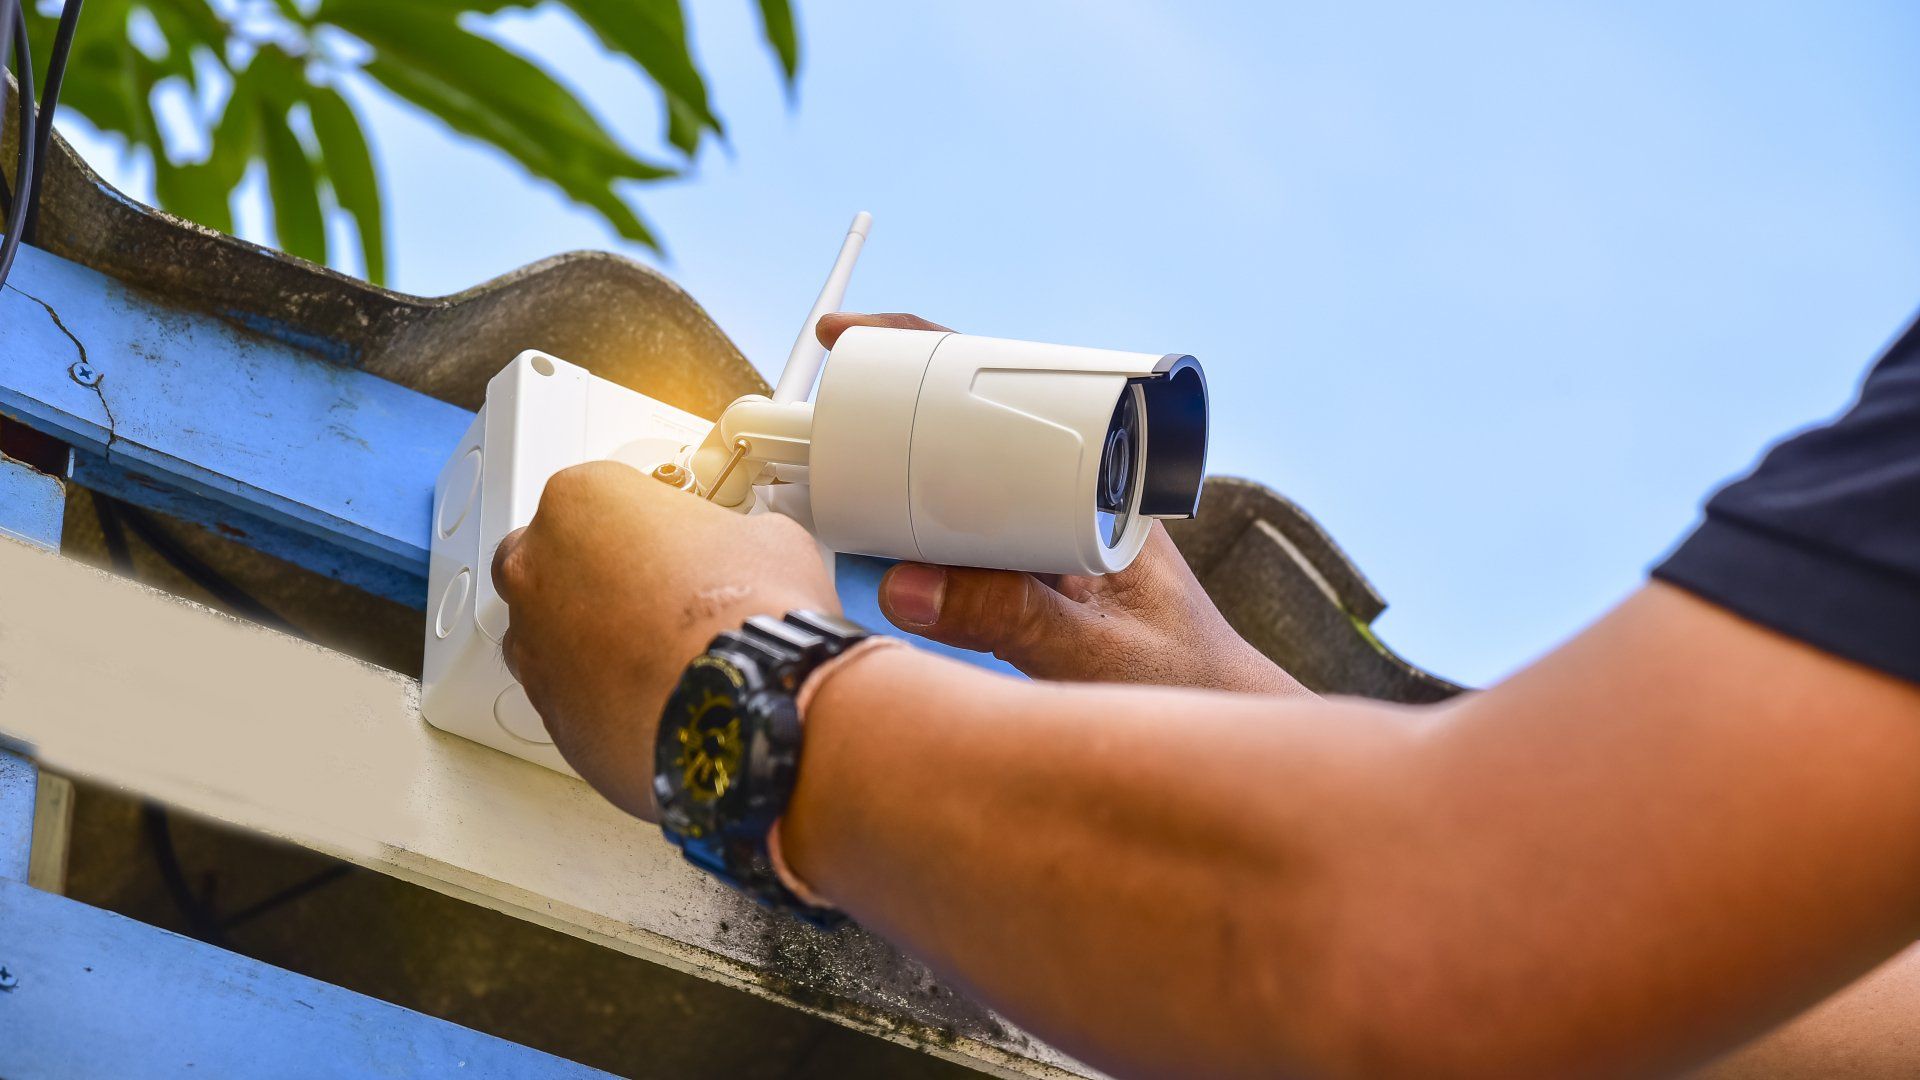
{"points": [[616, 585], [1151, 623]]}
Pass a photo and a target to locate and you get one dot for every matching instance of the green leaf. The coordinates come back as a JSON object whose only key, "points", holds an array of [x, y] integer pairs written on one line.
{"points": [[276, 82], [298, 223], [187, 26], [477, 86], [203, 191], [617, 212], [461, 112], [193, 192], [40, 30], [190, 192], [350, 172], [185, 190], [280, 77], [93, 89], [112, 85], [776, 24], [93, 85], [291, 11], [469, 118], [485, 78], [654, 34], [135, 81], [235, 138], [477, 7], [487, 92]]}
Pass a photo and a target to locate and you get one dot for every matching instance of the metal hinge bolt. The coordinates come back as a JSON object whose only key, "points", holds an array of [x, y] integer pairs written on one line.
{"points": [[7, 979], [84, 373]]}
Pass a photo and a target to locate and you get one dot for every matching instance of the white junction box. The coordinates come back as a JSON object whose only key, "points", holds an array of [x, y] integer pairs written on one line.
{"points": [[541, 415]]}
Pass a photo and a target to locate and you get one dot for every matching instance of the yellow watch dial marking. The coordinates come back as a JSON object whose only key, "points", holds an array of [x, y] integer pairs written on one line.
{"points": [[710, 751]]}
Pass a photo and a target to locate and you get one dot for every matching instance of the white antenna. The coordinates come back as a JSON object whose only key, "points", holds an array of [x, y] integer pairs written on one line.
{"points": [[804, 362]]}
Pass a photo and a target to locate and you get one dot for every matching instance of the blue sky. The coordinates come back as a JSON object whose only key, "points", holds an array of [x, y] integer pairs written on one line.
{"points": [[1498, 291]]}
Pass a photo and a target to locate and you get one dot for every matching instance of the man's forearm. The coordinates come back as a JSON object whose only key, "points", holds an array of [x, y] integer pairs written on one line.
{"points": [[1865, 1032], [1569, 873], [1089, 859]]}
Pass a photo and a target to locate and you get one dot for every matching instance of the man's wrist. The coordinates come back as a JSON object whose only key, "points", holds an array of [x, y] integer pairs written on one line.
{"points": [[803, 701], [844, 716]]}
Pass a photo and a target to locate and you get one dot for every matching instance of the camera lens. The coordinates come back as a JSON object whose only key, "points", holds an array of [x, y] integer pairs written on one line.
{"points": [[1119, 464], [1116, 470]]}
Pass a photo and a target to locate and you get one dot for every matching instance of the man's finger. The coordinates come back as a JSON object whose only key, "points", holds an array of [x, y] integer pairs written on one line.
{"points": [[1000, 611], [831, 326], [504, 579]]}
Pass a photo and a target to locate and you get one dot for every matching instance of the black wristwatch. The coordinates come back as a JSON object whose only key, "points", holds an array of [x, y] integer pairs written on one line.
{"points": [[728, 750]]}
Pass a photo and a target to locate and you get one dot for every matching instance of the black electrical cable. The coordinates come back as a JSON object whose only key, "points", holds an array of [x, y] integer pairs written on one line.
{"points": [[198, 572], [112, 536], [202, 920], [287, 895], [35, 129], [49, 104], [23, 192]]}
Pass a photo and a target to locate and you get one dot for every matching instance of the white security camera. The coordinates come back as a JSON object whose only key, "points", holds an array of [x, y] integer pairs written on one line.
{"points": [[924, 445], [975, 451]]}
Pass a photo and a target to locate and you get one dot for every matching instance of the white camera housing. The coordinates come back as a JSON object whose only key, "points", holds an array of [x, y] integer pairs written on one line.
{"points": [[929, 446], [973, 451]]}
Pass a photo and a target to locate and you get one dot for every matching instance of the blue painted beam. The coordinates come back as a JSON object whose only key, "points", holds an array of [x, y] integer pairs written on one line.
{"points": [[380, 578], [199, 406], [91, 993]]}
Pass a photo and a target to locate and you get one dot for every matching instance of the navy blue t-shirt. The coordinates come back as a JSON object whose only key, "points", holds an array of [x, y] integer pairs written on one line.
{"points": [[1822, 540]]}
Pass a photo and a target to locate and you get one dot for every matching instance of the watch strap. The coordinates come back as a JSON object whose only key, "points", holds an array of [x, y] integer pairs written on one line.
{"points": [[796, 644]]}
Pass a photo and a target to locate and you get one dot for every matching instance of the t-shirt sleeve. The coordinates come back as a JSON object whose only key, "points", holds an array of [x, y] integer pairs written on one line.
{"points": [[1821, 541]]}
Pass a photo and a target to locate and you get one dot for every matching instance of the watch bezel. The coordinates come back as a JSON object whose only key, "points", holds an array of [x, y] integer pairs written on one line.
{"points": [[768, 745]]}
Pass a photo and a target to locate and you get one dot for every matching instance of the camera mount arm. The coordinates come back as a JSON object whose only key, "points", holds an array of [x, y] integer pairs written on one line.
{"points": [[751, 434]]}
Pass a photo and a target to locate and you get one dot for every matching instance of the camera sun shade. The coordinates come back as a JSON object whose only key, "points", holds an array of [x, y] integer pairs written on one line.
{"points": [[974, 451]]}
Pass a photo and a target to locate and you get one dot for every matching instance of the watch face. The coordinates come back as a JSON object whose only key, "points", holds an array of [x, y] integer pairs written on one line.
{"points": [[702, 746]]}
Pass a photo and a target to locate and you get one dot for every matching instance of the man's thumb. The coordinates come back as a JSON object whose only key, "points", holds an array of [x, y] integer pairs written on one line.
{"points": [[999, 611]]}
